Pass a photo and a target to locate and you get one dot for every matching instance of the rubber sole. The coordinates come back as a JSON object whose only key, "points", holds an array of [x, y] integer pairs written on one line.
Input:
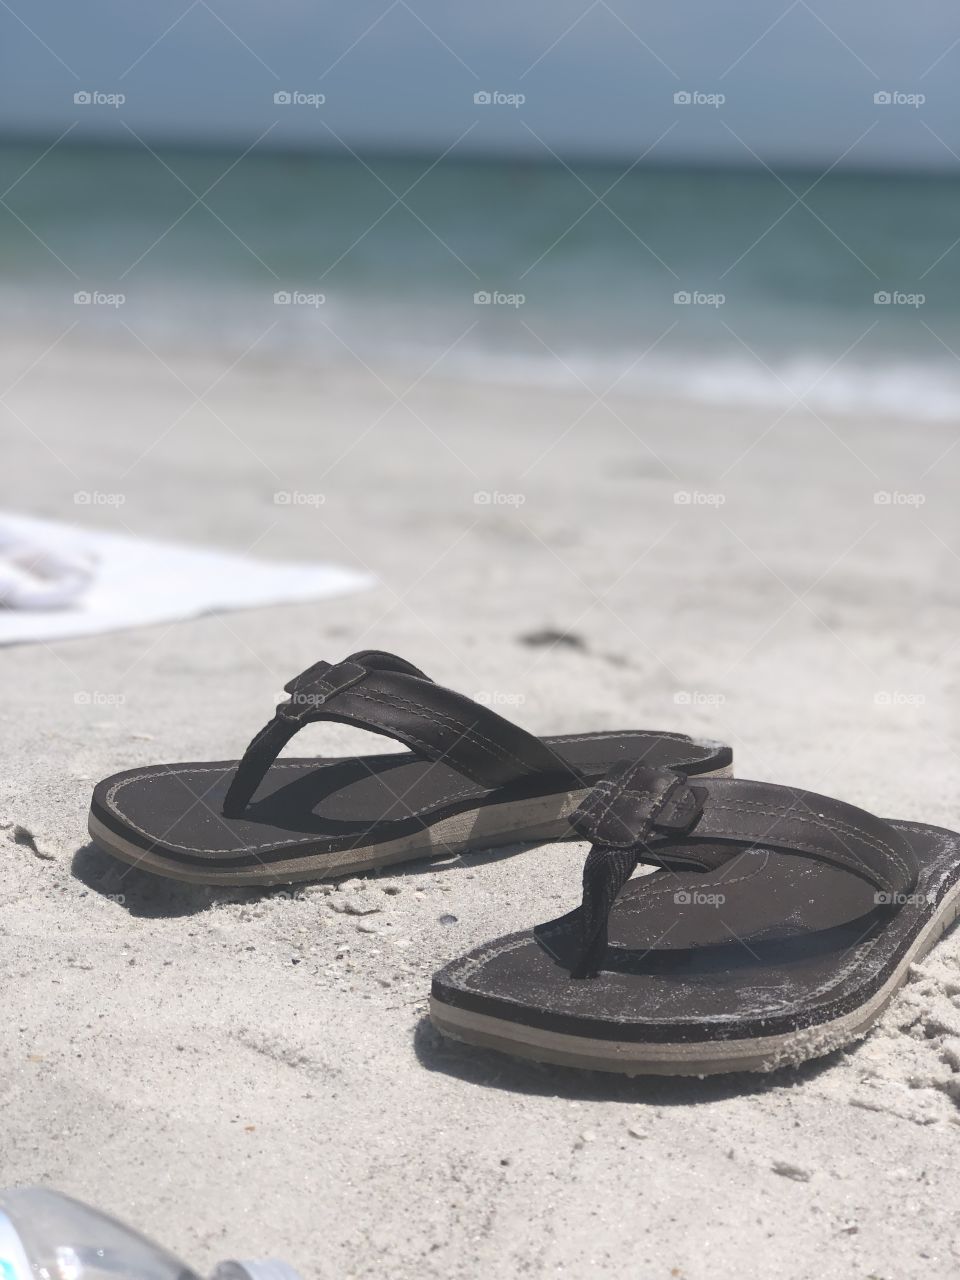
{"points": [[529, 821], [703, 1058]]}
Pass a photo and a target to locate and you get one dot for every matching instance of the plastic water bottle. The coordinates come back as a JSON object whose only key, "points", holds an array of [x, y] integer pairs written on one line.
{"points": [[47, 1236]]}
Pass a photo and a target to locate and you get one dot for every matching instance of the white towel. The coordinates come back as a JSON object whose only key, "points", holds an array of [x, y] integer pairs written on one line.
{"points": [[58, 580]]}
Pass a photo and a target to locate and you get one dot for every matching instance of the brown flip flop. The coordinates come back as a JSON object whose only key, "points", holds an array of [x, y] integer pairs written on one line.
{"points": [[779, 926], [471, 780]]}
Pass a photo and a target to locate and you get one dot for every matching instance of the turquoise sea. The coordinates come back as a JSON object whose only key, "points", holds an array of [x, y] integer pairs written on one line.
{"points": [[843, 287]]}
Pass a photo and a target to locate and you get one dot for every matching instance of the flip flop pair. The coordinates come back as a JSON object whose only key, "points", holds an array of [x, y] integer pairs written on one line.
{"points": [[774, 924]]}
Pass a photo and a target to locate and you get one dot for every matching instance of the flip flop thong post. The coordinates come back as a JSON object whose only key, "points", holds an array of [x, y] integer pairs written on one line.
{"points": [[779, 925], [470, 780]]}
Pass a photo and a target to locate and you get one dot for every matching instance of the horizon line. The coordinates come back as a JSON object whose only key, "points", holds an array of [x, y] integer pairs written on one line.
{"points": [[480, 158]]}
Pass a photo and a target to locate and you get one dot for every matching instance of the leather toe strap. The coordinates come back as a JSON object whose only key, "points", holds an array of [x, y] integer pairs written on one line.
{"points": [[637, 814], [388, 695]]}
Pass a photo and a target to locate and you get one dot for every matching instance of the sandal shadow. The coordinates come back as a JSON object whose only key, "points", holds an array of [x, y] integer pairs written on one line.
{"points": [[148, 896]]}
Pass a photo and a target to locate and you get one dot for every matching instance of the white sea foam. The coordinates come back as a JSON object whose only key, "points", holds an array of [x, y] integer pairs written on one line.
{"points": [[240, 323], [914, 389]]}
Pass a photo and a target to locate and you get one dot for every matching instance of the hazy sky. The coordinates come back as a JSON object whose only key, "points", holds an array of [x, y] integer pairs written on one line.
{"points": [[599, 79]]}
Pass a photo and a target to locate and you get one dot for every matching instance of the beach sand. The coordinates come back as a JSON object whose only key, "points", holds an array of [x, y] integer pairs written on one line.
{"points": [[247, 1074]]}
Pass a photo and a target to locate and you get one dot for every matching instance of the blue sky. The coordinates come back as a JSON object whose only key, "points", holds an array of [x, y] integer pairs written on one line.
{"points": [[798, 80]]}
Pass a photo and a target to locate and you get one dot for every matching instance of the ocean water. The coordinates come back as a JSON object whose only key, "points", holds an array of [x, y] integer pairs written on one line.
{"points": [[723, 286]]}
